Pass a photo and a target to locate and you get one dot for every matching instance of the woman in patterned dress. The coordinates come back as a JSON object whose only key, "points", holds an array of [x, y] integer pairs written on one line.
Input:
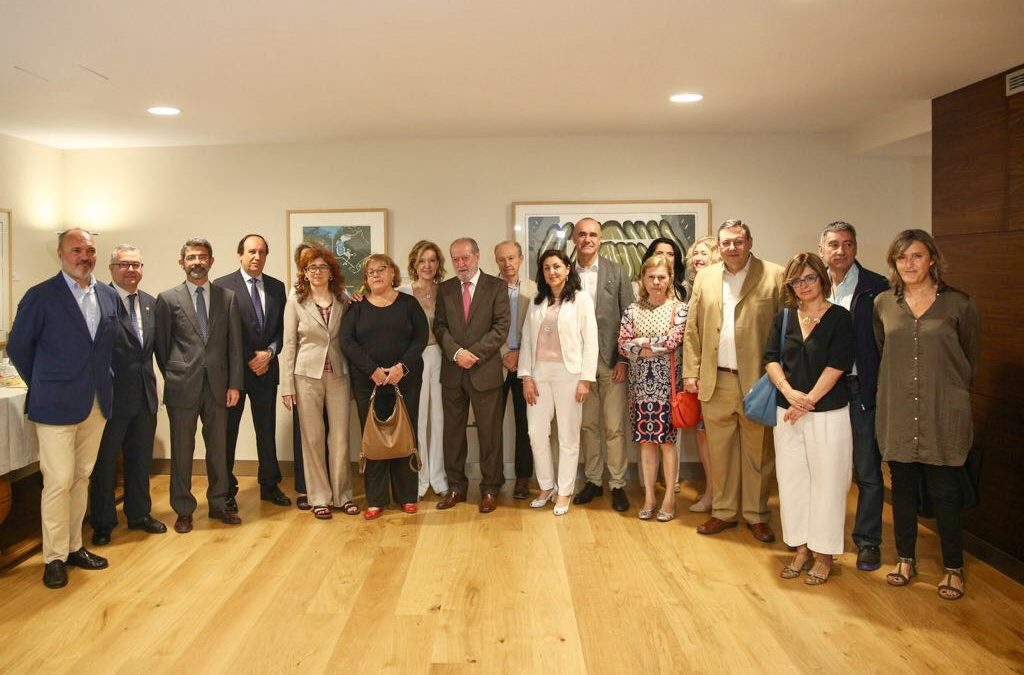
{"points": [[649, 335]]}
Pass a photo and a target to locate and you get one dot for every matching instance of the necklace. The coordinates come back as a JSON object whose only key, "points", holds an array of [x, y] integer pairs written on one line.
{"points": [[813, 320]]}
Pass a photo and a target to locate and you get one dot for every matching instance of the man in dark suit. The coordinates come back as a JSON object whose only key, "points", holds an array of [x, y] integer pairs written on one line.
{"points": [[62, 343], [261, 301], [471, 323], [199, 351], [132, 425]]}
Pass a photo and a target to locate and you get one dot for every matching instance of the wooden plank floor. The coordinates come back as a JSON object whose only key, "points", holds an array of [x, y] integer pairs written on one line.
{"points": [[515, 591]]}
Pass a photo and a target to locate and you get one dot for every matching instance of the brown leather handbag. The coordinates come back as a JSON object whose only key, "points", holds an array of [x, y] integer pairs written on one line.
{"points": [[391, 438]]}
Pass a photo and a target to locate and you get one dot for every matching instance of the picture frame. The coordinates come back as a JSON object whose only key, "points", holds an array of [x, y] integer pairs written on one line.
{"points": [[627, 226], [351, 234]]}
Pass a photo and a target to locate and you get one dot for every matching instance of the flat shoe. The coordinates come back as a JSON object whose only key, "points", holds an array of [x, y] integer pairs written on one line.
{"points": [[665, 516], [322, 512], [372, 513], [646, 514], [947, 591]]}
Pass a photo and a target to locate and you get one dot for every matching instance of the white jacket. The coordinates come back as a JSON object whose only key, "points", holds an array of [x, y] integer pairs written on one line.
{"points": [[577, 333]]}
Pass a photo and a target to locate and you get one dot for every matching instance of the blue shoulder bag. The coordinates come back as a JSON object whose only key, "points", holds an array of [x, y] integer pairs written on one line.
{"points": [[759, 405]]}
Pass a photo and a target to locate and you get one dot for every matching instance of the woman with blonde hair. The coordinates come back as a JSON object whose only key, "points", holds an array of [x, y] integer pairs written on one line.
{"points": [[426, 271], [314, 379]]}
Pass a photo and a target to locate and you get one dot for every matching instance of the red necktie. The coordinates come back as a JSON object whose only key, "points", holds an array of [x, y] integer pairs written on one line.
{"points": [[466, 299]]}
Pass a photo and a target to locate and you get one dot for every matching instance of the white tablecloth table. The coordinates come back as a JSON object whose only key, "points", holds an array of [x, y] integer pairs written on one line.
{"points": [[18, 446]]}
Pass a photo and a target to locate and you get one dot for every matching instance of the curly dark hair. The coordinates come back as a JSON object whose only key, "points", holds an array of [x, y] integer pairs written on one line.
{"points": [[337, 278], [572, 281], [678, 266]]}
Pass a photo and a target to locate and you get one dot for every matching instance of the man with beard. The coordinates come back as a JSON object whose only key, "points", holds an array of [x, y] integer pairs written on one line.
{"points": [[199, 351]]}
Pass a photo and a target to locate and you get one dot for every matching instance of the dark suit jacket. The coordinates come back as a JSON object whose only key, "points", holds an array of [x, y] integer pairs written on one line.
{"points": [[64, 367], [184, 358], [134, 379], [862, 308], [254, 340], [484, 334]]}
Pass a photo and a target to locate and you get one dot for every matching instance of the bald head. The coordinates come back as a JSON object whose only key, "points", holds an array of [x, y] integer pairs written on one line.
{"points": [[77, 253]]}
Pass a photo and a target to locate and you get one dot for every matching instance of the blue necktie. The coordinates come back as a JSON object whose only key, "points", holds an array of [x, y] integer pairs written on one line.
{"points": [[204, 321], [256, 304], [134, 317]]}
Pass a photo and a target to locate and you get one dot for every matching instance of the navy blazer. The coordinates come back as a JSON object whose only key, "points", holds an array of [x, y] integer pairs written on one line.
{"points": [[253, 339], [862, 308], [66, 369], [134, 379]]}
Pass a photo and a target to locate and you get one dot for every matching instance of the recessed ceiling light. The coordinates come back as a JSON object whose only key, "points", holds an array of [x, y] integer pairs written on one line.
{"points": [[686, 98], [163, 110]]}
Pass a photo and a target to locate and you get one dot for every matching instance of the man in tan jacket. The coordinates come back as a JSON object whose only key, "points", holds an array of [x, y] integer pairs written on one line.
{"points": [[731, 310]]}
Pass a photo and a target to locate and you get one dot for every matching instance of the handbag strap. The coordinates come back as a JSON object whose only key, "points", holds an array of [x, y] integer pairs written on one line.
{"points": [[373, 395], [672, 358], [782, 333]]}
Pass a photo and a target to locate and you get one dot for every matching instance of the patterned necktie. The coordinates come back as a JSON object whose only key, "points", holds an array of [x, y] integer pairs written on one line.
{"points": [[133, 316], [204, 321], [257, 305], [466, 299]]}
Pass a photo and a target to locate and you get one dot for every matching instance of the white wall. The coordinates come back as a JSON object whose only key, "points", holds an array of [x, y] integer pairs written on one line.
{"points": [[786, 186]]}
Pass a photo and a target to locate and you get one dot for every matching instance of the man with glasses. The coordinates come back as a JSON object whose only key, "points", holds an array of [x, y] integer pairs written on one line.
{"points": [[855, 287], [731, 311], [131, 427], [199, 351]]}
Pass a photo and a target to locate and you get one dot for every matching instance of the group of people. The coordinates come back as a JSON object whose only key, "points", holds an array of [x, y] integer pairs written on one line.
{"points": [[581, 345]]}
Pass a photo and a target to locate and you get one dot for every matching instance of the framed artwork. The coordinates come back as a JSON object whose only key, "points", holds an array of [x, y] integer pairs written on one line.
{"points": [[627, 227], [350, 234]]}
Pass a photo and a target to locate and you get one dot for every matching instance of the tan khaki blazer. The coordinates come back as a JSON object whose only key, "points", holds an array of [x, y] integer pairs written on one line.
{"points": [[308, 341], [760, 300]]}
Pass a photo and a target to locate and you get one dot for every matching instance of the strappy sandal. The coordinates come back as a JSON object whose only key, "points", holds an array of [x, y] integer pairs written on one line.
{"points": [[947, 591], [349, 508], [790, 572], [816, 578], [897, 578], [322, 512]]}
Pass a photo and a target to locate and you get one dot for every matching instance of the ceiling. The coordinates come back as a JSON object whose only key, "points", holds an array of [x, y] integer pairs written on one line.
{"points": [[81, 74]]}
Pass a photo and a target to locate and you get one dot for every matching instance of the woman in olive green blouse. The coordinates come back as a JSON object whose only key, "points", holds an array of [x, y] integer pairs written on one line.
{"points": [[928, 335]]}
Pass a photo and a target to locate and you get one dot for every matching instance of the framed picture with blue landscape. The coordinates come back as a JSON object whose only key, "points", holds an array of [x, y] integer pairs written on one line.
{"points": [[350, 234]]}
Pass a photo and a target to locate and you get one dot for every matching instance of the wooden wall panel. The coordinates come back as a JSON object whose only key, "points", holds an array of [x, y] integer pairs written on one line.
{"points": [[1015, 163], [969, 159]]}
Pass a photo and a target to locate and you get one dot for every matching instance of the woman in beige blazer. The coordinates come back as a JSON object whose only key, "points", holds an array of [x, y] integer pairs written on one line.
{"points": [[314, 377]]}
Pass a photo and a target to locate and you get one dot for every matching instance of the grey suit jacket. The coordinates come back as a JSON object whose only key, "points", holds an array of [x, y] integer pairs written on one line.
{"points": [[182, 355], [483, 334], [614, 295]]}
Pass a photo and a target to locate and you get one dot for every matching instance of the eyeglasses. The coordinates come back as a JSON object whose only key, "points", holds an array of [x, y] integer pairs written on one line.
{"points": [[125, 266], [377, 271], [803, 281], [194, 257], [732, 243], [317, 269]]}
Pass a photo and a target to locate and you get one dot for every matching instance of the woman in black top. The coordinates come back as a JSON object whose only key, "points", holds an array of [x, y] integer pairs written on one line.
{"points": [[813, 437], [383, 337]]}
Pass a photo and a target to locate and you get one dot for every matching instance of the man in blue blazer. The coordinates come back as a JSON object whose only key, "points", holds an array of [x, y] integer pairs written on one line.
{"points": [[62, 342], [132, 426]]}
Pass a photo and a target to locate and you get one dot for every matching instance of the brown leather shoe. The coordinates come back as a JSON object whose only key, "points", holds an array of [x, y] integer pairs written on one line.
{"points": [[183, 524], [488, 502], [522, 489], [715, 525], [226, 517], [451, 499], [762, 532]]}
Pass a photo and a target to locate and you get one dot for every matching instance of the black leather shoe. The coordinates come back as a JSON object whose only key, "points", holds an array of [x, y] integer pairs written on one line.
{"points": [[100, 537], [87, 560], [587, 494], [302, 503], [620, 502], [55, 574], [226, 517], [275, 496], [869, 558], [230, 505], [150, 525]]}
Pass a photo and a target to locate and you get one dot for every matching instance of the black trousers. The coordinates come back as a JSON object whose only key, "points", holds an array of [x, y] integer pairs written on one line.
{"points": [[943, 485], [132, 436], [404, 482], [524, 452], [264, 423]]}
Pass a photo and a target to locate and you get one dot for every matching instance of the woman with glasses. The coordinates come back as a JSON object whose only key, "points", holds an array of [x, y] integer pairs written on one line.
{"points": [[928, 334], [813, 437], [314, 379], [384, 337]]}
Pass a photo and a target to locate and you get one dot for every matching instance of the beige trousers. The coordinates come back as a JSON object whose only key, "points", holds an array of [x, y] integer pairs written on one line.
{"points": [[740, 478], [328, 480], [67, 454], [604, 415]]}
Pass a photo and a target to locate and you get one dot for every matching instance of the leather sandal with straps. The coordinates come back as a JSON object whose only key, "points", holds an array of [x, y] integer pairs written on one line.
{"points": [[790, 572], [947, 591], [322, 512], [897, 577]]}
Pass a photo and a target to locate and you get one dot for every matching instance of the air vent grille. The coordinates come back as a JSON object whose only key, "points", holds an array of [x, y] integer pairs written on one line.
{"points": [[1015, 82]]}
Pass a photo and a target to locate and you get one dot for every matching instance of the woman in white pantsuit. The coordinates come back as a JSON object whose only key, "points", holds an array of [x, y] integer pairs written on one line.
{"points": [[557, 363], [813, 438], [426, 270]]}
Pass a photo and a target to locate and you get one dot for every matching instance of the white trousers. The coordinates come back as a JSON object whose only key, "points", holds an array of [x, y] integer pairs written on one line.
{"points": [[556, 396], [67, 454], [431, 424], [814, 464]]}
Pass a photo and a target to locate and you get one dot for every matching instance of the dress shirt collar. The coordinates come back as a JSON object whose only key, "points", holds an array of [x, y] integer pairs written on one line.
{"points": [[746, 268], [123, 293], [246, 276], [592, 268], [192, 288], [473, 280], [73, 285]]}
